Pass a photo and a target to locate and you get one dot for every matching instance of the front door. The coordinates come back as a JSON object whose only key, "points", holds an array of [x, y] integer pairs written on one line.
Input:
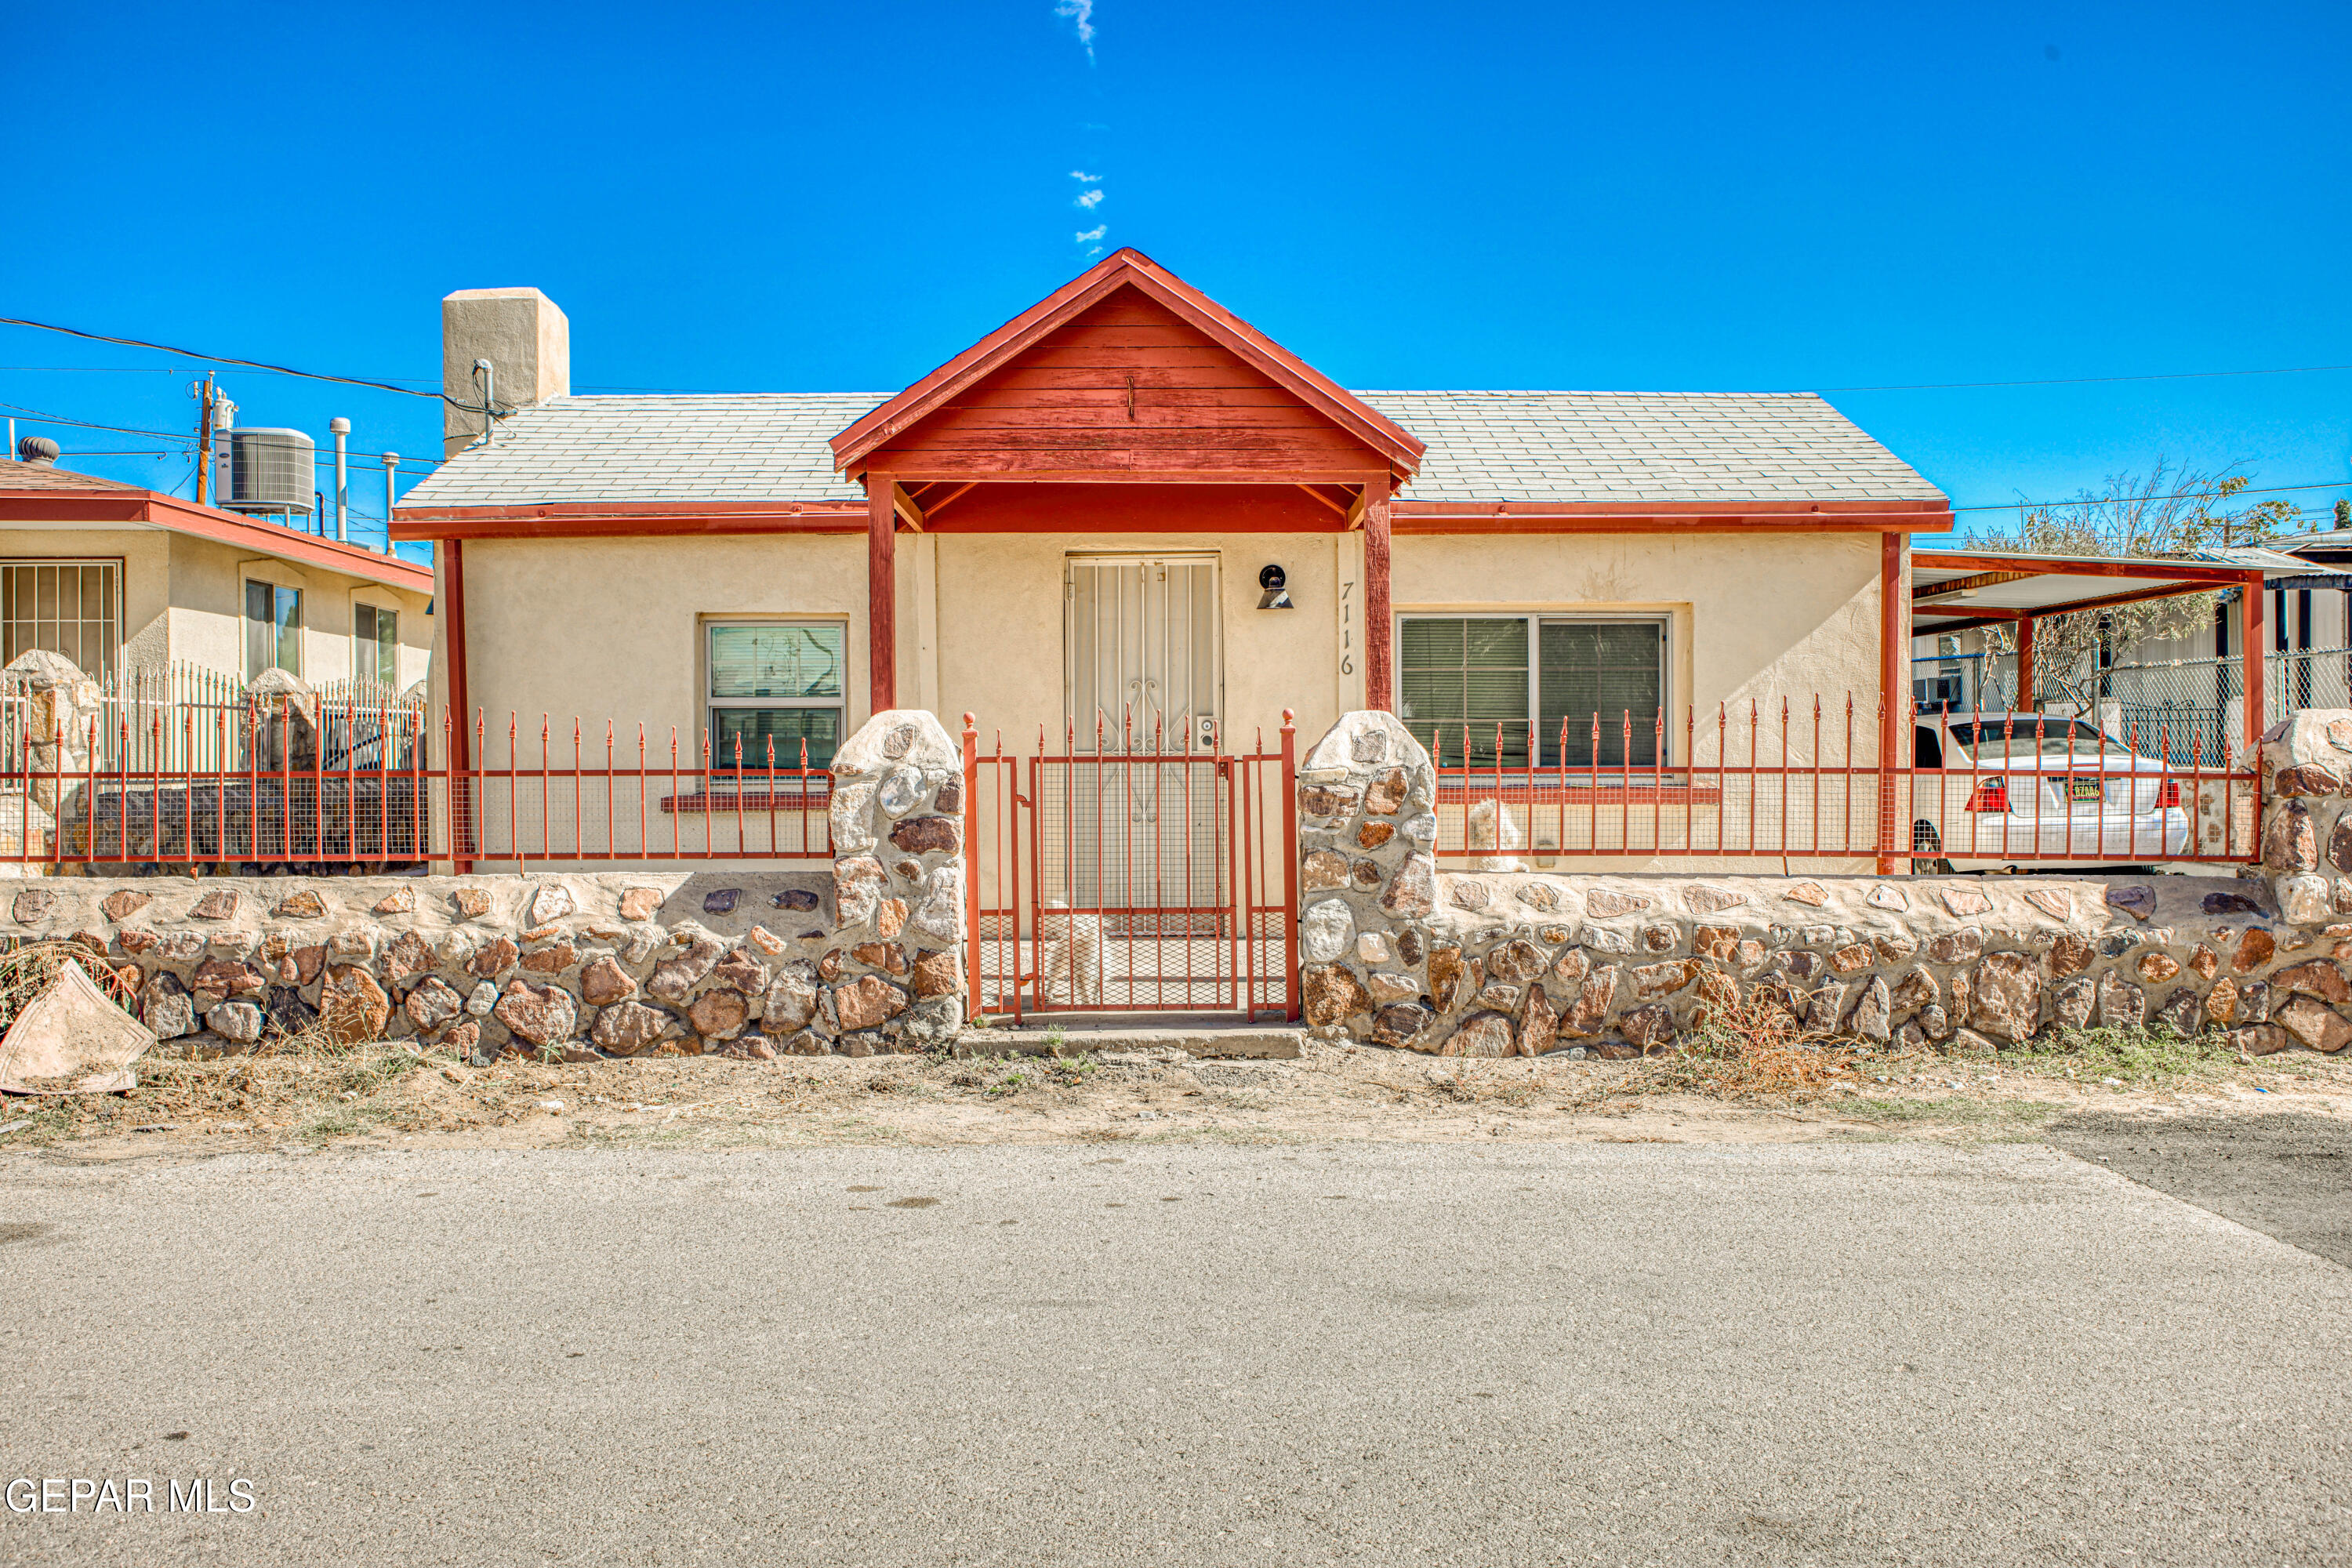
{"points": [[1135, 830], [1140, 636]]}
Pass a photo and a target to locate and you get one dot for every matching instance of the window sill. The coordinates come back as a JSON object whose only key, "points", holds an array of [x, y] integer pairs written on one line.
{"points": [[795, 799]]}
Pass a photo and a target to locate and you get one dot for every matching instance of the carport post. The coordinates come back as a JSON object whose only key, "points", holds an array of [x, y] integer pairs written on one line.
{"points": [[1894, 690], [2025, 699], [2250, 658]]}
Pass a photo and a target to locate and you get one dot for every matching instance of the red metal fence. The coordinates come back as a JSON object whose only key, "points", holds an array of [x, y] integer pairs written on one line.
{"points": [[1153, 871], [379, 799], [1792, 784], [1145, 865]]}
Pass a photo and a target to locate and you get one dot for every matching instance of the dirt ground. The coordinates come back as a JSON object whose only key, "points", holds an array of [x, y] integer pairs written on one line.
{"points": [[389, 1095]]}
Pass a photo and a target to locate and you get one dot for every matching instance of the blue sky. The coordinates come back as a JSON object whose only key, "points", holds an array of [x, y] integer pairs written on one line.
{"points": [[802, 198]]}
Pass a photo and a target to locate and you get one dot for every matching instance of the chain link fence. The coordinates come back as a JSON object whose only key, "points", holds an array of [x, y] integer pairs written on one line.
{"points": [[2188, 710]]}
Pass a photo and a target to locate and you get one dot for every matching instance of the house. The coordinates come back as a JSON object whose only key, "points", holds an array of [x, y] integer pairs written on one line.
{"points": [[1076, 514], [1127, 510], [131, 585]]}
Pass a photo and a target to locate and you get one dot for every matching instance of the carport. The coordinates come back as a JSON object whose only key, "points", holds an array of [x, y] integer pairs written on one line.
{"points": [[1957, 590]]}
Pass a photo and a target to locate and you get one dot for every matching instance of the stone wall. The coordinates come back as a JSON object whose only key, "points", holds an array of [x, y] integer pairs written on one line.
{"points": [[1497, 960], [863, 956]]}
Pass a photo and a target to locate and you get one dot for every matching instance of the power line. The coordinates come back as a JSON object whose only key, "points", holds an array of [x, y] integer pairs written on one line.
{"points": [[2177, 495], [34, 416], [2083, 380], [230, 359]]}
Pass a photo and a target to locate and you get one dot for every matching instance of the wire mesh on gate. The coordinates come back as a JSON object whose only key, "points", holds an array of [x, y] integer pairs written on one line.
{"points": [[1797, 781], [1151, 871], [331, 785]]}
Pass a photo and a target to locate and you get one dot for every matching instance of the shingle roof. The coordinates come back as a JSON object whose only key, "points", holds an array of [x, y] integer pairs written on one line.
{"points": [[1644, 446], [1640, 446], [41, 477]]}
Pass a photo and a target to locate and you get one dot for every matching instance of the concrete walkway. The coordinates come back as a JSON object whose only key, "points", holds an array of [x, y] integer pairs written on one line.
{"points": [[1180, 1354]]}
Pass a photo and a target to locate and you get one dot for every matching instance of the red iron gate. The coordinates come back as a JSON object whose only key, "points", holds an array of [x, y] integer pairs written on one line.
{"points": [[1155, 872]]}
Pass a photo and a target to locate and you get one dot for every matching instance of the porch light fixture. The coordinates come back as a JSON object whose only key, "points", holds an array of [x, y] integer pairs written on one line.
{"points": [[1271, 579]]}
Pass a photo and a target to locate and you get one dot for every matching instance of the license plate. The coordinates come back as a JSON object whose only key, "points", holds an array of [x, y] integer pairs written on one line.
{"points": [[2085, 789]]}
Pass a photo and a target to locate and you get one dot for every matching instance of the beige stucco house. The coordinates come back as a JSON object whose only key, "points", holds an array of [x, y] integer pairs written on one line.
{"points": [[1075, 515], [131, 583], [1127, 506]]}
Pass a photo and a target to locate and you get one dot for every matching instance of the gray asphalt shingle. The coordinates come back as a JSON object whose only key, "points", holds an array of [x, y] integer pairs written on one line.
{"points": [[1637, 446]]}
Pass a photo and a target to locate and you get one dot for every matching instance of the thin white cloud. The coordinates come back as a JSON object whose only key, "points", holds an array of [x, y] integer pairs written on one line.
{"points": [[1091, 200], [1082, 12], [1097, 250], [1090, 235], [1085, 179]]}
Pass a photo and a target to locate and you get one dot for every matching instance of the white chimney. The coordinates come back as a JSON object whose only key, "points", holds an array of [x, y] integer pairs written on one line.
{"points": [[527, 342]]}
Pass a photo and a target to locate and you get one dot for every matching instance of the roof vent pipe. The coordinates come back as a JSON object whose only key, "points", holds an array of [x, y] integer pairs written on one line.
{"points": [[391, 467], [342, 429], [486, 378], [39, 451]]}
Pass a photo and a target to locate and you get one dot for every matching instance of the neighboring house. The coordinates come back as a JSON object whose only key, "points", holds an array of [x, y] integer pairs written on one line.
{"points": [[132, 584], [1080, 514]]}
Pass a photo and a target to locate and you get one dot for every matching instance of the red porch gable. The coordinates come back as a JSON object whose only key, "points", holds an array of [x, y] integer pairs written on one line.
{"points": [[1128, 374]]}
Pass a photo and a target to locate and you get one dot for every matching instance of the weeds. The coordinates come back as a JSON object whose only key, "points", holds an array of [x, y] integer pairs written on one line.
{"points": [[1754, 1049], [27, 968], [2132, 1055]]}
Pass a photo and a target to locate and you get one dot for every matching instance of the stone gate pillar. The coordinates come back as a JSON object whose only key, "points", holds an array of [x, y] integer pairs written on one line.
{"points": [[894, 974]]}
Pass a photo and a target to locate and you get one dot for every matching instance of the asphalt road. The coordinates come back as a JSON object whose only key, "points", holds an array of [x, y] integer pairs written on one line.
{"points": [[1366, 1354]]}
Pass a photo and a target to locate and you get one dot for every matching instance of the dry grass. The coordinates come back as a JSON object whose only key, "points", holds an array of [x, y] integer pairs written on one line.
{"points": [[1755, 1050], [29, 968]]}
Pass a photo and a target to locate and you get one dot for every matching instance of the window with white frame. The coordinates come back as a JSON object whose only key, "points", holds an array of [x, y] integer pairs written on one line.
{"points": [[775, 683], [375, 646], [273, 628], [72, 608], [1474, 686]]}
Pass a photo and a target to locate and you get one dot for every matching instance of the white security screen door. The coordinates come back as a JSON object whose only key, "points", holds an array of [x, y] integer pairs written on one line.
{"points": [[1142, 831], [1141, 641]]}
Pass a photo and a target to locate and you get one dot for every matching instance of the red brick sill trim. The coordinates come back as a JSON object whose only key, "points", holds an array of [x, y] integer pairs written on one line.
{"points": [[1606, 797], [786, 800]]}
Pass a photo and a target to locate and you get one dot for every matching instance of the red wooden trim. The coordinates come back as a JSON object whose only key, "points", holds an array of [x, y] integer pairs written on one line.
{"points": [[1893, 690], [2252, 656], [1127, 268], [1665, 521], [926, 470], [2046, 566], [2025, 700], [600, 519], [881, 594], [1380, 622], [174, 515], [1407, 507], [452, 606], [1962, 585]]}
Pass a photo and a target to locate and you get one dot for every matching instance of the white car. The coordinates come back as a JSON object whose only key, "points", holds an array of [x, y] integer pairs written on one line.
{"points": [[1993, 790]]}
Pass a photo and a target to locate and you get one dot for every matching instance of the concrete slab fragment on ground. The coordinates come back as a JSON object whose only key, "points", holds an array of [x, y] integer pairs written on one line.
{"points": [[72, 1041]]}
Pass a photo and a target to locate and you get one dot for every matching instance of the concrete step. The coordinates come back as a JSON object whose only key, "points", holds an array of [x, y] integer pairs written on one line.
{"points": [[1258, 1042]]}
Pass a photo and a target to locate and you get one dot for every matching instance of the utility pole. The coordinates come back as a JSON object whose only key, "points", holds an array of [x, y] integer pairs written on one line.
{"points": [[203, 393]]}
